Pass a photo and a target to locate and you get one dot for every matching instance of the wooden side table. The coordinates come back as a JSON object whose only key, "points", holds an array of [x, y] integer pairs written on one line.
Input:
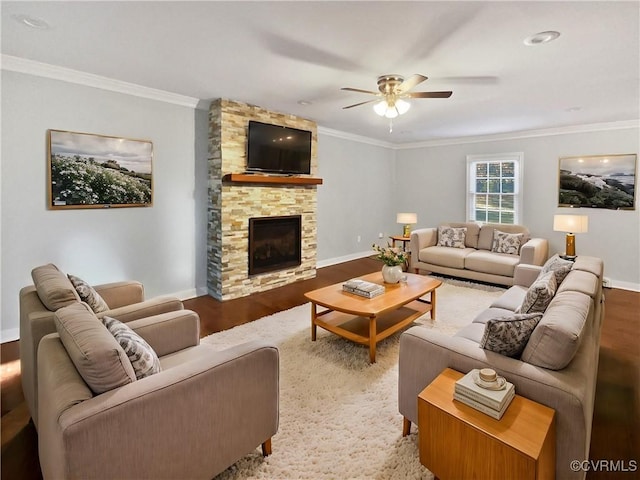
{"points": [[457, 441], [398, 238]]}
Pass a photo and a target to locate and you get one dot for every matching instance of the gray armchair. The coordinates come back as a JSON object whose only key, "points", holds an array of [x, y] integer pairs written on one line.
{"points": [[53, 290], [204, 411]]}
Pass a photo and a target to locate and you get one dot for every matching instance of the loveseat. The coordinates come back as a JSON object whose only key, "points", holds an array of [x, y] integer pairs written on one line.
{"points": [[203, 410], [474, 251], [52, 290], [557, 367]]}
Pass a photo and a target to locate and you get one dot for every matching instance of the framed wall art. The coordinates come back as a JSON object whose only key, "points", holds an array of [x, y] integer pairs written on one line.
{"points": [[598, 181], [97, 171]]}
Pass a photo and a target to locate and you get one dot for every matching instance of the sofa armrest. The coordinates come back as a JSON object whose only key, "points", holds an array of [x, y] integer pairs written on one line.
{"points": [[169, 332], [421, 238], [148, 308], [525, 274], [222, 405], [119, 294], [535, 251]]}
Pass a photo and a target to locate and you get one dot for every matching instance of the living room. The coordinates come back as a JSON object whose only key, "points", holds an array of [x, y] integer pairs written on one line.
{"points": [[366, 180]]}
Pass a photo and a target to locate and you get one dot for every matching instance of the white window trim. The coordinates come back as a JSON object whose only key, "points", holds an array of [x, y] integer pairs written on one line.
{"points": [[518, 158]]}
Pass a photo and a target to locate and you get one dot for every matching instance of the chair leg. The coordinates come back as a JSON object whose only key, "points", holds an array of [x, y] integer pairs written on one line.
{"points": [[406, 426], [266, 448]]}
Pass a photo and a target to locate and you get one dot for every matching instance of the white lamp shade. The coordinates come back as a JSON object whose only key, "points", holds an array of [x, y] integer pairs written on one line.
{"points": [[571, 223], [407, 218], [380, 108], [391, 112], [402, 106]]}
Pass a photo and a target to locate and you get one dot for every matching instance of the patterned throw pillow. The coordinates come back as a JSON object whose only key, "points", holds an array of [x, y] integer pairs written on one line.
{"points": [[506, 242], [451, 237], [540, 294], [89, 295], [143, 358], [559, 266], [509, 335]]}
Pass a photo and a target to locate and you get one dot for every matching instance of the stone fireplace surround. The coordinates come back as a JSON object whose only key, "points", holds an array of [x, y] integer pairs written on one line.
{"points": [[231, 205]]}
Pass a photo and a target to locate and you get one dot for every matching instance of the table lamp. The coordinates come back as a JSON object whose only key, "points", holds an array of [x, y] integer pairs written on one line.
{"points": [[571, 224], [407, 219]]}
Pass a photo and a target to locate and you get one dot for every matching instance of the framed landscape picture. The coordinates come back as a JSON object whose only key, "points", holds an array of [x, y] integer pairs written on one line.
{"points": [[98, 171], [598, 181]]}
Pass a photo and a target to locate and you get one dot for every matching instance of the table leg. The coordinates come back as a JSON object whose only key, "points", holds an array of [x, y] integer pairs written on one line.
{"points": [[314, 315], [433, 304], [372, 339]]}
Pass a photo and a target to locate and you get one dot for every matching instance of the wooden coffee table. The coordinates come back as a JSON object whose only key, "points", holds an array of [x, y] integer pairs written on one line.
{"points": [[369, 320]]}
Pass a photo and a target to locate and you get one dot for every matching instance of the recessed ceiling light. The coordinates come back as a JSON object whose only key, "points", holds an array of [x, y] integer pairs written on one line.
{"points": [[304, 102], [542, 37], [29, 21], [573, 109]]}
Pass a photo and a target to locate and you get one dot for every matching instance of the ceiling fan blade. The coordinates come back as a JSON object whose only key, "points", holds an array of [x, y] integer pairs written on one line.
{"points": [[411, 82], [359, 90], [428, 94], [361, 103]]}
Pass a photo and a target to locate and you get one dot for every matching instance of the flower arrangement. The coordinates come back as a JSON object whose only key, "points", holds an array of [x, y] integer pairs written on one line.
{"points": [[390, 256]]}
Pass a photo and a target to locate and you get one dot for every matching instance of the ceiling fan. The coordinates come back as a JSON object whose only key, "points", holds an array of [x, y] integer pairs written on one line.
{"points": [[393, 89]]}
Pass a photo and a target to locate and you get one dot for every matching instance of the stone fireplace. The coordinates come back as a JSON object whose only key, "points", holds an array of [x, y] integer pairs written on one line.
{"points": [[274, 243], [232, 205]]}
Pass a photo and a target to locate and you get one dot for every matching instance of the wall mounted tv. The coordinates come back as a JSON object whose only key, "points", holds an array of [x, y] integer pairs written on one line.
{"points": [[276, 149]]}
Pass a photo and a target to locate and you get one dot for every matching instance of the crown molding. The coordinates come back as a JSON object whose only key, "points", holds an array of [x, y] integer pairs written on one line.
{"points": [[39, 69], [546, 132], [355, 138]]}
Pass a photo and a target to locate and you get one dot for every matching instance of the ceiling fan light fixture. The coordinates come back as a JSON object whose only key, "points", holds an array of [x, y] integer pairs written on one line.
{"points": [[380, 108]]}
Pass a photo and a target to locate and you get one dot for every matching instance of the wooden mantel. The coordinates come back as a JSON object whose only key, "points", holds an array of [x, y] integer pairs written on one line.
{"points": [[282, 180]]}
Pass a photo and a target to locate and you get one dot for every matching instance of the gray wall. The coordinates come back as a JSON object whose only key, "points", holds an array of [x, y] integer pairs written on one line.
{"points": [[433, 179], [155, 245], [355, 199]]}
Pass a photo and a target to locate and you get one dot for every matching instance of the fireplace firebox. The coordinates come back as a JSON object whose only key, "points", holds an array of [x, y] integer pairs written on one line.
{"points": [[275, 243]]}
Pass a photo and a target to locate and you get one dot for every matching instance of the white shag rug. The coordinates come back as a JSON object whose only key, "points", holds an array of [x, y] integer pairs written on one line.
{"points": [[339, 414]]}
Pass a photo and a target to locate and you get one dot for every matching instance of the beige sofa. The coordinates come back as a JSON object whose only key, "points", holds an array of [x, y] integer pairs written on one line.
{"points": [[53, 290], [204, 410], [558, 367], [476, 261]]}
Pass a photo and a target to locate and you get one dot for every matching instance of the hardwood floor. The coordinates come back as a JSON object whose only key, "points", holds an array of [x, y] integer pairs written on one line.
{"points": [[616, 421]]}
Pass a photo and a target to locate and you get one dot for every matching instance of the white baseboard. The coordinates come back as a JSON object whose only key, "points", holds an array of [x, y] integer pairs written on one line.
{"points": [[634, 287], [345, 258], [9, 335]]}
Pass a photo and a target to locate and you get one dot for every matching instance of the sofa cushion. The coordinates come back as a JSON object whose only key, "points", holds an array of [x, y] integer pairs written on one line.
{"points": [[473, 332], [489, 262], [471, 236], [539, 294], [143, 358], [508, 243], [451, 237], [491, 312], [445, 256], [556, 339], [560, 266], [580, 281], [485, 238], [96, 354], [89, 295], [511, 299], [53, 287], [509, 335]]}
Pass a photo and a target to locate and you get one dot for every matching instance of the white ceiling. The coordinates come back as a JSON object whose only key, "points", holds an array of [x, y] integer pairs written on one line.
{"points": [[276, 54]]}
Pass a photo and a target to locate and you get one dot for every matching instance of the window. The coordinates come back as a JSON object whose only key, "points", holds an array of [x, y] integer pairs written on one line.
{"points": [[494, 188]]}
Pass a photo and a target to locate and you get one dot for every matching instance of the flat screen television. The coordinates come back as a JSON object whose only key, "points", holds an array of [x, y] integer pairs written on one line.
{"points": [[276, 149]]}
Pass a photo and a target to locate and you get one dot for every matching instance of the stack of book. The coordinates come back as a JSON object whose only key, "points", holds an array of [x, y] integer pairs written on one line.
{"points": [[486, 400], [363, 288]]}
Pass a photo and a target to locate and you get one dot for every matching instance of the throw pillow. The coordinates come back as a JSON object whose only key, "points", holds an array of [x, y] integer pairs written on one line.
{"points": [[559, 266], [504, 242], [540, 294], [53, 287], [451, 237], [143, 358], [89, 295], [509, 335], [97, 356]]}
